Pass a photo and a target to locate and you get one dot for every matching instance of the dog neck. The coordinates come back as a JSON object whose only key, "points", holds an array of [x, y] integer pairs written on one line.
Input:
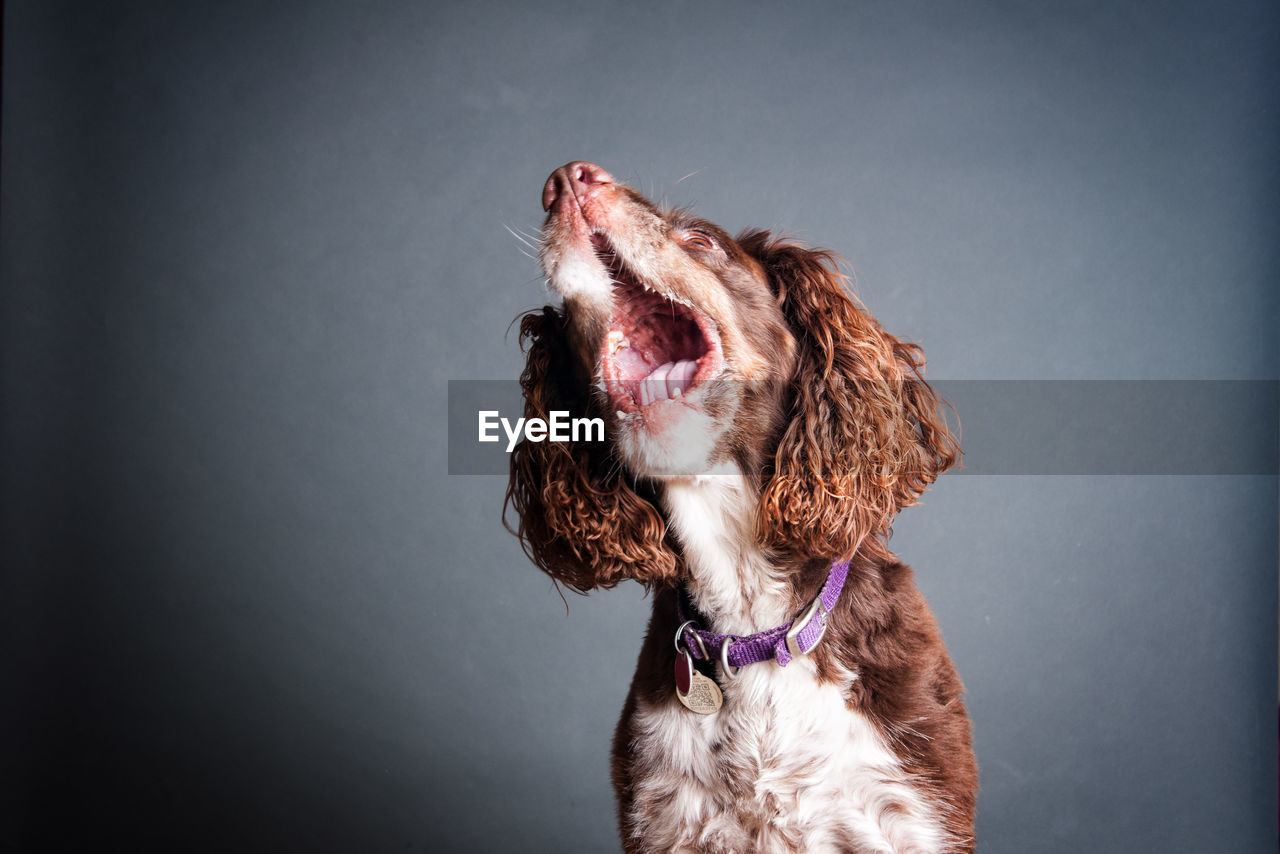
{"points": [[732, 581]]}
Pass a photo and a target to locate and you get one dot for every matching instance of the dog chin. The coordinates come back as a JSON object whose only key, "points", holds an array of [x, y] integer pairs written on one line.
{"points": [[668, 439]]}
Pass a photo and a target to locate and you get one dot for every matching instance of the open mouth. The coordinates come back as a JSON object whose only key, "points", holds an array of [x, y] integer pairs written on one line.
{"points": [[657, 348]]}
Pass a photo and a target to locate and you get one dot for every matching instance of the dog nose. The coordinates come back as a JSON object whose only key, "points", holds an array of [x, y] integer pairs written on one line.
{"points": [[578, 178]]}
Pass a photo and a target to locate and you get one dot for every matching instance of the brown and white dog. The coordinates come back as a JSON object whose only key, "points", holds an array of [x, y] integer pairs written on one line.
{"points": [[760, 425]]}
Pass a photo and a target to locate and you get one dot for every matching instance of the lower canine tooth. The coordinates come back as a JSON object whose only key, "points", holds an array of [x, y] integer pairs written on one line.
{"points": [[621, 415], [675, 392]]}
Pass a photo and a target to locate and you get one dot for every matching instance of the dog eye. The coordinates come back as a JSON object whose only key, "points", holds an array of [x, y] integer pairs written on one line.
{"points": [[698, 239]]}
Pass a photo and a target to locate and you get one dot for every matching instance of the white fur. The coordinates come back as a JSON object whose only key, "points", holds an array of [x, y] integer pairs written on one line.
{"points": [[683, 446], [575, 274], [797, 770]]}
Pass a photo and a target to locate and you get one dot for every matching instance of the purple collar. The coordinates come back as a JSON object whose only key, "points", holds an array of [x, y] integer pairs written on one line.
{"points": [[783, 643]]}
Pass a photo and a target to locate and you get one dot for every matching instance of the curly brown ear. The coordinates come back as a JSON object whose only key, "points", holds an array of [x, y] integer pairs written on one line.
{"points": [[865, 435], [578, 519]]}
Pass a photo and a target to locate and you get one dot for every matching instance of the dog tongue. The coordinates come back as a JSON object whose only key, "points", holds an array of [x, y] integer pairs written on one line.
{"points": [[631, 364], [666, 379], [681, 376]]}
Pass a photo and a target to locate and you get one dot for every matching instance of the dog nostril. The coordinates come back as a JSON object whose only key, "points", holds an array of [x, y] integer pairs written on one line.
{"points": [[577, 177], [589, 173]]}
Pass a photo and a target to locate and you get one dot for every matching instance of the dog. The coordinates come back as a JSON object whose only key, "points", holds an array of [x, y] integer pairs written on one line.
{"points": [[793, 693]]}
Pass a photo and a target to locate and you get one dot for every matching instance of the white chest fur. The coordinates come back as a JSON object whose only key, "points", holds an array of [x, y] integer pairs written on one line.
{"points": [[785, 765]]}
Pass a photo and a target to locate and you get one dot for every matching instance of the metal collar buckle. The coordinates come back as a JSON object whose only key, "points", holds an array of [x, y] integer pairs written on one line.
{"points": [[801, 623]]}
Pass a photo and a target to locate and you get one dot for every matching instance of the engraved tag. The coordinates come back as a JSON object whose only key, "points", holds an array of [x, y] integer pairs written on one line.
{"points": [[697, 692]]}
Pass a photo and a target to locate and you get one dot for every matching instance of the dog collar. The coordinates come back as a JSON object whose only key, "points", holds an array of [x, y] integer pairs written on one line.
{"points": [[782, 643]]}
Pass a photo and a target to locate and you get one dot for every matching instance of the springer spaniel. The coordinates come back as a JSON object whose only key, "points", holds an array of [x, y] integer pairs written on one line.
{"points": [[792, 693]]}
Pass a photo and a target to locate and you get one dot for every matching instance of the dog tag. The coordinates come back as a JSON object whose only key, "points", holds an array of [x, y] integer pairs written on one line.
{"points": [[697, 692]]}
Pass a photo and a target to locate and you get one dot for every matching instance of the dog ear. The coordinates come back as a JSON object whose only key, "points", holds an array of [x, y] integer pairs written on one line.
{"points": [[865, 435], [577, 517]]}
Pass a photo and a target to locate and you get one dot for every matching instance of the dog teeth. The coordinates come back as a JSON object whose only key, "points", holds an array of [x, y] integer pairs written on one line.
{"points": [[616, 341], [621, 415], [675, 392]]}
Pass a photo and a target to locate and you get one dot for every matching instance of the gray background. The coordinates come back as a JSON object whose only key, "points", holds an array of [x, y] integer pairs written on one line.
{"points": [[245, 247]]}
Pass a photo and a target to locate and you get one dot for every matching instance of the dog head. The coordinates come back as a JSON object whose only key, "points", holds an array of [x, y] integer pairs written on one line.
{"points": [[706, 354]]}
